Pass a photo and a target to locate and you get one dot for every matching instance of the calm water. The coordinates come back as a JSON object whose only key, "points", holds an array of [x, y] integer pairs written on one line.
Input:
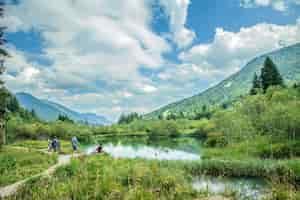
{"points": [[245, 188], [162, 148]]}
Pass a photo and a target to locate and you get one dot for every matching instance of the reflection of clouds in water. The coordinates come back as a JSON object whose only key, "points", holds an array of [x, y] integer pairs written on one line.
{"points": [[120, 151], [91, 149], [246, 188]]}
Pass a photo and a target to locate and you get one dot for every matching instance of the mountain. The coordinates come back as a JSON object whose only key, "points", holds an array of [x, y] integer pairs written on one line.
{"points": [[50, 111], [287, 60]]}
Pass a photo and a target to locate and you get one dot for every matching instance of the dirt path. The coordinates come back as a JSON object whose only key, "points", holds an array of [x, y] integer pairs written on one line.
{"points": [[12, 189]]}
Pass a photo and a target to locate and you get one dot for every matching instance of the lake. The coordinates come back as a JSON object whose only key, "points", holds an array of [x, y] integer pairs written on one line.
{"points": [[161, 148]]}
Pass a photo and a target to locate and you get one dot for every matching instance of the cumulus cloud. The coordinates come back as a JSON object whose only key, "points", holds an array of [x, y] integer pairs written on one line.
{"points": [[279, 5], [177, 11], [95, 45], [231, 50], [91, 36]]}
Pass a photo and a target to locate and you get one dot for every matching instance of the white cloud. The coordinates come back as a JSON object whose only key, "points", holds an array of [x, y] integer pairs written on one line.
{"points": [[177, 11], [148, 88], [96, 46], [91, 35], [279, 5], [229, 50]]}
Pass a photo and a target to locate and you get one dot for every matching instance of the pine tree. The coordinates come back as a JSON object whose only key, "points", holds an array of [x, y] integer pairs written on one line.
{"points": [[63, 118], [33, 114], [3, 94], [256, 85], [270, 75], [12, 104]]}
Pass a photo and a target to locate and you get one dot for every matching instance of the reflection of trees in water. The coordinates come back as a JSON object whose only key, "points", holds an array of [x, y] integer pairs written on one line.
{"points": [[187, 144]]}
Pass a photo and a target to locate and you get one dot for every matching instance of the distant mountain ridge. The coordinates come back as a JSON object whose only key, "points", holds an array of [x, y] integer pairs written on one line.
{"points": [[287, 60], [49, 111]]}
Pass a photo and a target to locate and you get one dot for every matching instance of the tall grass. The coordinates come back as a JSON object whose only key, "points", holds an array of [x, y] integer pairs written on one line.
{"points": [[16, 164], [106, 178]]}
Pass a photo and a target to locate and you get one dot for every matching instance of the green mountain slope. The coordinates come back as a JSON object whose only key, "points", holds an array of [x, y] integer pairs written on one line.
{"points": [[49, 111], [287, 60]]}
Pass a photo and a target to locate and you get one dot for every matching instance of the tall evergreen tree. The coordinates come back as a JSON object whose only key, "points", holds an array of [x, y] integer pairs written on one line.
{"points": [[3, 93], [12, 104], [33, 114], [63, 118], [270, 75], [256, 85], [127, 119]]}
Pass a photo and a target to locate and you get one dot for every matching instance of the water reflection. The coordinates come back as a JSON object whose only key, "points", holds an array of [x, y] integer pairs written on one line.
{"points": [[245, 188], [123, 151]]}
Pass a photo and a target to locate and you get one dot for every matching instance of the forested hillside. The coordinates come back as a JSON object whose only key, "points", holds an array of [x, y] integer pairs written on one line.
{"points": [[287, 60]]}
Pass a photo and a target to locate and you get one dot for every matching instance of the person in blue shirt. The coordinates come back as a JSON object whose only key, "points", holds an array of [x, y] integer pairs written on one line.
{"points": [[75, 143], [55, 144]]}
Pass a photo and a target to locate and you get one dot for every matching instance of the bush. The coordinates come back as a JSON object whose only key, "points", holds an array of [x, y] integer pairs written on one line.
{"points": [[7, 163], [18, 128], [216, 142], [281, 151], [204, 127], [164, 128]]}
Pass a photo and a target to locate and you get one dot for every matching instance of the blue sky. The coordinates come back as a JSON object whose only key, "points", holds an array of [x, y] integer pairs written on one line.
{"points": [[110, 57]]}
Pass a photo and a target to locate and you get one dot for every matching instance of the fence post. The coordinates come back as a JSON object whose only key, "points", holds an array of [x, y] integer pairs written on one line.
{"points": [[2, 133]]}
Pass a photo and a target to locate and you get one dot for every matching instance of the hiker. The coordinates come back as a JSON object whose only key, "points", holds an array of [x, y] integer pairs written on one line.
{"points": [[99, 149], [55, 144], [74, 142]]}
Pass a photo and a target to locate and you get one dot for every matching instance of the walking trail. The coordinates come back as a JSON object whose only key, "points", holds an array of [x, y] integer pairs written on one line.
{"points": [[13, 188]]}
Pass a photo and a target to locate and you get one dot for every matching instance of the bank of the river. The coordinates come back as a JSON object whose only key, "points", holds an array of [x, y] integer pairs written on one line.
{"points": [[102, 177], [183, 133], [133, 150]]}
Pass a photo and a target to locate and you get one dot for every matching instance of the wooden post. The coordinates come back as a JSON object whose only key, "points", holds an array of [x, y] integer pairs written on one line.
{"points": [[2, 132]]}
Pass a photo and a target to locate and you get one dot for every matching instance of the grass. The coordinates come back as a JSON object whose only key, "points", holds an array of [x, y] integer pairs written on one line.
{"points": [[268, 169], [237, 151], [284, 192], [66, 147], [102, 177], [17, 164], [244, 159]]}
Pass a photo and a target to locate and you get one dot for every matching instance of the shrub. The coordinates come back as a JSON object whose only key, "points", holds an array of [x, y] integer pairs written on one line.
{"points": [[281, 151], [216, 142], [204, 127], [7, 163], [164, 128]]}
